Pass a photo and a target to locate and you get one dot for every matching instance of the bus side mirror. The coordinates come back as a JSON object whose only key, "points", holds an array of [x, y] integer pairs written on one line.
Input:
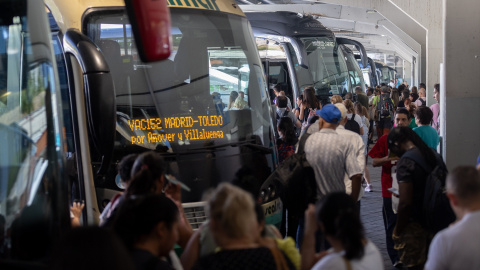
{"points": [[150, 20]]}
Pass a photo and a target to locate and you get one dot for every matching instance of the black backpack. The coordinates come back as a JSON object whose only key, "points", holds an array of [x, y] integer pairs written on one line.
{"points": [[294, 181], [424, 103], [285, 114], [352, 125], [386, 106], [436, 206]]}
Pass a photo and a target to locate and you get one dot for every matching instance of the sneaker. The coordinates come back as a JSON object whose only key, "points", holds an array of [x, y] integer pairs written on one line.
{"points": [[398, 265], [368, 188]]}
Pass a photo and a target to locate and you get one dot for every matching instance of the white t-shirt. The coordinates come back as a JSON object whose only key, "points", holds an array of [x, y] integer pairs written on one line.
{"points": [[457, 247], [371, 260]]}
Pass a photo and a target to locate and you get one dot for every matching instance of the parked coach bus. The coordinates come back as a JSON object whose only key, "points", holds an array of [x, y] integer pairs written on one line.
{"points": [[180, 107], [75, 100], [298, 51], [355, 75]]}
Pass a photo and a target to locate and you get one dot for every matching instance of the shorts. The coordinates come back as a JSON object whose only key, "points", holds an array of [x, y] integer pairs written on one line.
{"points": [[412, 245], [385, 123]]}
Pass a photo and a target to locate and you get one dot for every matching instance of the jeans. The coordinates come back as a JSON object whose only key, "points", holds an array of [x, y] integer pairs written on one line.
{"points": [[389, 221]]}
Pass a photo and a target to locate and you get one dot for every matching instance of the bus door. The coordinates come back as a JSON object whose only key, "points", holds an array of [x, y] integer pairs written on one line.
{"points": [[274, 60]]}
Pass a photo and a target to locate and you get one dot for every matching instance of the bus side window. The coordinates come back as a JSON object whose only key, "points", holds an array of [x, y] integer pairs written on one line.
{"points": [[64, 90]]}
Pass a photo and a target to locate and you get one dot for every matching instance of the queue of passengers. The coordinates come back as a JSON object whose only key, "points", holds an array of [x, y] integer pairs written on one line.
{"points": [[141, 226]]}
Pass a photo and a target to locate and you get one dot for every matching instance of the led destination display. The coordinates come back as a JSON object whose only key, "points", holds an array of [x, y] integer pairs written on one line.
{"points": [[176, 128]]}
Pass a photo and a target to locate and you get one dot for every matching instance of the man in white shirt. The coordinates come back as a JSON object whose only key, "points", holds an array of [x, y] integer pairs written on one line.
{"points": [[278, 91], [331, 156], [457, 246], [358, 146]]}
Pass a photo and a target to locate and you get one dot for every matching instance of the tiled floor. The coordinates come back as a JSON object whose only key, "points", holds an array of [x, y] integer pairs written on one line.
{"points": [[371, 213]]}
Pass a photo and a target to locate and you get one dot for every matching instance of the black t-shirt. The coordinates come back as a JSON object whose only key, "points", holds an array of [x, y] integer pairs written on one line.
{"points": [[408, 171], [145, 260], [240, 259]]}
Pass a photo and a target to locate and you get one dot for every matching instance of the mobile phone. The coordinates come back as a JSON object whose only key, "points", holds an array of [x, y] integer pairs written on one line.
{"points": [[170, 178], [394, 191]]}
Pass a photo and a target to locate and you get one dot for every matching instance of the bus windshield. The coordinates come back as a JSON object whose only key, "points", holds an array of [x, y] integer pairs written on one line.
{"points": [[210, 91], [387, 74], [327, 70], [206, 108], [355, 74]]}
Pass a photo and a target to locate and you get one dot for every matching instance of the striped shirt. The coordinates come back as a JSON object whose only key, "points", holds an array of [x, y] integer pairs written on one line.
{"points": [[331, 156]]}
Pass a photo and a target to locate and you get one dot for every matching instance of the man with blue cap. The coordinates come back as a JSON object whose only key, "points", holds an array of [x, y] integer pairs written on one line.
{"points": [[331, 156]]}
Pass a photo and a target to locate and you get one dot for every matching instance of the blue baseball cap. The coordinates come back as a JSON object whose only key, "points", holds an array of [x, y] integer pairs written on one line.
{"points": [[330, 113]]}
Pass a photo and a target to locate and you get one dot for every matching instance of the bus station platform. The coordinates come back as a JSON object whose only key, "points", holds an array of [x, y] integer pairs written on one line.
{"points": [[371, 213]]}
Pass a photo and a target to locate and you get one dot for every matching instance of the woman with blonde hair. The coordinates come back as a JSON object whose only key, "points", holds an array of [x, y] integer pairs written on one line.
{"points": [[234, 226], [362, 111], [395, 97], [231, 100], [336, 99], [351, 113]]}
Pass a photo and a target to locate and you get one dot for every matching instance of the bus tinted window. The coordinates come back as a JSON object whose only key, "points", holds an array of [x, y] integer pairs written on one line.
{"points": [[327, 66]]}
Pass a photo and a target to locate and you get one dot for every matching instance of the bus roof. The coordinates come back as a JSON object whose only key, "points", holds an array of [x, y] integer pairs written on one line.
{"points": [[69, 13], [285, 23]]}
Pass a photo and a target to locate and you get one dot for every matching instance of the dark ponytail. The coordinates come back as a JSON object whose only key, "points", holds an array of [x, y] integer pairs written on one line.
{"points": [[341, 219], [400, 135], [125, 167], [142, 183], [138, 215], [285, 125], [146, 171]]}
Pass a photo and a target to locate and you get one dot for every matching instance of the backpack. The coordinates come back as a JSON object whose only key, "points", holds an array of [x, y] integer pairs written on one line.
{"points": [[352, 125], [436, 206], [386, 106], [285, 114], [293, 181], [424, 103]]}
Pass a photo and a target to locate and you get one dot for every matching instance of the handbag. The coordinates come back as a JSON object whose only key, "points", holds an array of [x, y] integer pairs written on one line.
{"points": [[280, 261]]}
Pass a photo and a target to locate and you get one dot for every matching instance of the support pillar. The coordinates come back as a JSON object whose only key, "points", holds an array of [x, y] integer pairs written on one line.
{"points": [[460, 97]]}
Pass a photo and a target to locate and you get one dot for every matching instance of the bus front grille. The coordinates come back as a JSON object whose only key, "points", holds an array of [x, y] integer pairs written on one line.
{"points": [[195, 213]]}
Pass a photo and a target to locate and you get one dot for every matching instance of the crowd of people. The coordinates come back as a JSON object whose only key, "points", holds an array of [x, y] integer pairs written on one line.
{"points": [[142, 225], [406, 147]]}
